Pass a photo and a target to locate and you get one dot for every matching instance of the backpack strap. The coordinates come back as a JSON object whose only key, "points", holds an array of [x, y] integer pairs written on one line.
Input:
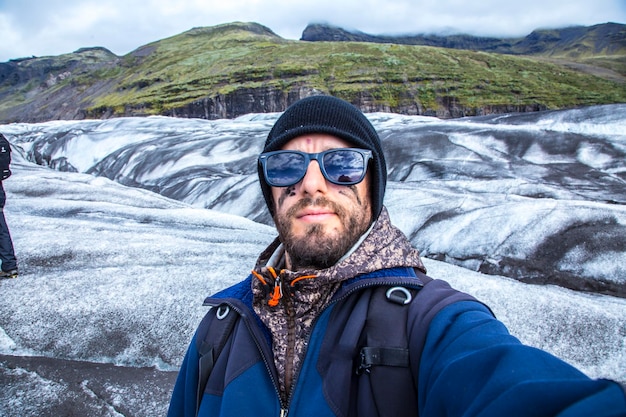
{"points": [[5, 158], [387, 327], [385, 356], [211, 337], [384, 330]]}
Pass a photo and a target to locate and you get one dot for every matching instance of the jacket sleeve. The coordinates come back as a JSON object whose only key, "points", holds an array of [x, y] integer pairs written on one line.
{"points": [[184, 396], [472, 366]]}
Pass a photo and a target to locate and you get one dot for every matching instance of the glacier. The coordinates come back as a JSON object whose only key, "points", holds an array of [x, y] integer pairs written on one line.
{"points": [[123, 226]]}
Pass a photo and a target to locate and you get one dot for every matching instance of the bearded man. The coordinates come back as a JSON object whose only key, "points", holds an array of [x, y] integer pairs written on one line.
{"points": [[338, 317]]}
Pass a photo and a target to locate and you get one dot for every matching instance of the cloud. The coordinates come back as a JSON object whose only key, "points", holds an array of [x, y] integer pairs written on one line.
{"points": [[53, 27]]}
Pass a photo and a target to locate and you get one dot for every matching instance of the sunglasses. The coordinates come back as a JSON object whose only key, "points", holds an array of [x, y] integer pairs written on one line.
{"points": [[343, 166]]}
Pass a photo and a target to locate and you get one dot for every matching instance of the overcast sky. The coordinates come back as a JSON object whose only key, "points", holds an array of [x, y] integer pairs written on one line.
{"points": [[54, 27]]}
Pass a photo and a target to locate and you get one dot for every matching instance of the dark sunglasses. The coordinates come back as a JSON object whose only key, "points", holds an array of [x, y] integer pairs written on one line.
{"points": [[343, 166]]}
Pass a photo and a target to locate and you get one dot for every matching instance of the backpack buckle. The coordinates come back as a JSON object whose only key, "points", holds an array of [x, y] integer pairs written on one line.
{"points": [[399, 295], [222, 311], [382, 356], [365, 365]]}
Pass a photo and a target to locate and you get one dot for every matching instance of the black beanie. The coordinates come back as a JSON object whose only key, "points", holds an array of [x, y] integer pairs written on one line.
{"points": [[333, 116]]}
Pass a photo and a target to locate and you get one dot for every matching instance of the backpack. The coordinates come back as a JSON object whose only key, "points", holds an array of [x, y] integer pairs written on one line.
{"points": [[384, 354], [5, 158]]}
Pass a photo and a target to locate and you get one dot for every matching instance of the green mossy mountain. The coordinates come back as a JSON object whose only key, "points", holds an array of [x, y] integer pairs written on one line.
{"points": [[228, 70]]}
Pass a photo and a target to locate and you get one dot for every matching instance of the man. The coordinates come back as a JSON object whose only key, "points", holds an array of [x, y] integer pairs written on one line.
{"points": [[7, 253], [338, 317]]}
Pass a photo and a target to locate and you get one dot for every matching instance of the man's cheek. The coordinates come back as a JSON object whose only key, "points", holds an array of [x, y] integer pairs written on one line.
{"points": [[284, 193]]}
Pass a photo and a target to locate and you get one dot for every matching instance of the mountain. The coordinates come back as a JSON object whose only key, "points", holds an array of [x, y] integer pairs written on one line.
{"points": [[229, 70], [608, 39], [603, 45], [599, 50]]}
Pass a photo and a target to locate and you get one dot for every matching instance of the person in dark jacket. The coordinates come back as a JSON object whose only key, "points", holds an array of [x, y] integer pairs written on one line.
{"points": [[7, 252], [338, 317]]}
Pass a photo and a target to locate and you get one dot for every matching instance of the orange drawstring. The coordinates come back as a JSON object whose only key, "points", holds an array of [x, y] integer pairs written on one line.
{"points": [[269, 268], [277, 293], [260, 277], [301, 278]]}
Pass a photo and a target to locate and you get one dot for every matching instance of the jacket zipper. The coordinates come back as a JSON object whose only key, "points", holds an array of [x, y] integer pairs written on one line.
{"points": [[291, 342], [280, 293]]}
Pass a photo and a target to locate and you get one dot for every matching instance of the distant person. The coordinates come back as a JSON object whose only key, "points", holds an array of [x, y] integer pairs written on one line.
{"points": [[7, 253], [338, 317]]}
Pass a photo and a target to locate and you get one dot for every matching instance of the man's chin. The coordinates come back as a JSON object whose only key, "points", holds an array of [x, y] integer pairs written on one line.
{"points": [[316, 250], [318, 230], [318, 246]]}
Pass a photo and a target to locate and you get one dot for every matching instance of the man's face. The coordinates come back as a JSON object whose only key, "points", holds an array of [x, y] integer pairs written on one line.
{"points": [[318, 221]]}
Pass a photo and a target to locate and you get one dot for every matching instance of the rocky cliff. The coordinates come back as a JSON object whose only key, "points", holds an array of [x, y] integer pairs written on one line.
{"points": [[229, 70]]}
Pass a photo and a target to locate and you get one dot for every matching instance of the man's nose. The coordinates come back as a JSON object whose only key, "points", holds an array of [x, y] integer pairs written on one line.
{"points": [[313, 181]]}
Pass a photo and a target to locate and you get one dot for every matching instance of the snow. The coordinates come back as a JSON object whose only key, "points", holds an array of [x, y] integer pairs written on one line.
{"points": [[115, 274], [110, 261], [100, 261]]}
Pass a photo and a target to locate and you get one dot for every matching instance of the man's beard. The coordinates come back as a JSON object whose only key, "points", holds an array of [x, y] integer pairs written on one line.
{"points": [[317, 249]]}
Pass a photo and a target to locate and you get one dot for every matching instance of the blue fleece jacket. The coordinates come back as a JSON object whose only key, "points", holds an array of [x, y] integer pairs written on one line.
{"points": [[465, 363]]}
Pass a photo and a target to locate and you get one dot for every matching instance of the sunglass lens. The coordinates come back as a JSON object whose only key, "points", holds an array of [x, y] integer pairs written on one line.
{"points": [[344, 166], [284, 169]]}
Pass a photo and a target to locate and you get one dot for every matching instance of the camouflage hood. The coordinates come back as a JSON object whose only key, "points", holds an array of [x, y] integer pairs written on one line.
{"points": [[288, 302]]}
